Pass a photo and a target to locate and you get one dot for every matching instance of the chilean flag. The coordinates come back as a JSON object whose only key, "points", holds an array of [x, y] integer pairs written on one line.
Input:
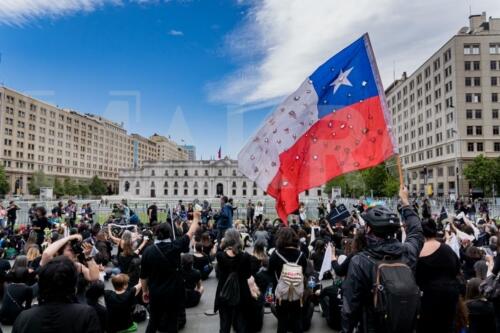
{"points": [[336, 122]]}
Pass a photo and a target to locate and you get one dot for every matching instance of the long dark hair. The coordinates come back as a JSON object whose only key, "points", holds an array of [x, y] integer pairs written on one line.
{"points": [[57, 280], [286, 237]]}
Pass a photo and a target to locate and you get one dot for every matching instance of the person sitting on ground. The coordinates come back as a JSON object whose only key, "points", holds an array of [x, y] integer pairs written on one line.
{"points": [[57, 284], [259, 254], [17, 296], [481, 311], [94, 292], [120, 303], [192, 281], [261, 235], [207, 243], [202, 262], [67, 246]]}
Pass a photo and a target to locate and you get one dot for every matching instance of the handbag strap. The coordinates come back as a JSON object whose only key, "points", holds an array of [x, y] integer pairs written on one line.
{"points": [[12, 299], [161, 253]]}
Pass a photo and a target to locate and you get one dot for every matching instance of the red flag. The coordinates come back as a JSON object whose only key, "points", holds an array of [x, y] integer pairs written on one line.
{"points": [[336, 122]]}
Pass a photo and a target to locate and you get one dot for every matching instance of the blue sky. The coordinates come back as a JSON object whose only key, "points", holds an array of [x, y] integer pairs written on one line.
{"points": [[206, 71], [99, 61]]}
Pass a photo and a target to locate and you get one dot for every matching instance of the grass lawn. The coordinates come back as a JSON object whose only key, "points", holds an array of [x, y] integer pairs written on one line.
{"points": [[162, 216]]}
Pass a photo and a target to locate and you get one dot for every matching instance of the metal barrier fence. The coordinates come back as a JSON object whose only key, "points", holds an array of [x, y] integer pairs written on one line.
{"points": [[103, 209]]}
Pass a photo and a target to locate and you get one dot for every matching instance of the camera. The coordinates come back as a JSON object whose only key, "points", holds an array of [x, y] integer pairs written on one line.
{"points": [[76, 247]]}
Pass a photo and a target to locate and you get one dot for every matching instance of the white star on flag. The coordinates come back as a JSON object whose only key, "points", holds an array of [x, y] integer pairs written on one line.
{"points": [[342, 80]]}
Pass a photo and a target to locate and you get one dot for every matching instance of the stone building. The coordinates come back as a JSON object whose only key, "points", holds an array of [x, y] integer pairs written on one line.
{"points": [[187, 180]]}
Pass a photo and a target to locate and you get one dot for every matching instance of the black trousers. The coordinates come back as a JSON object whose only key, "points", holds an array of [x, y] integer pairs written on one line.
{"points": [[289, 317], [231, 316], [163, 318], [496, 305], [11, 223]]}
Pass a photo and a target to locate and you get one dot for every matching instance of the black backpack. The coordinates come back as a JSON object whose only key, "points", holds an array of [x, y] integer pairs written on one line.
{"points": [[230, 292], [396, 296]]}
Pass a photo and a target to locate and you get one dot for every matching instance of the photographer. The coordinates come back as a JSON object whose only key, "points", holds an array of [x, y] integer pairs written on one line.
{"points": [[78, 252]]}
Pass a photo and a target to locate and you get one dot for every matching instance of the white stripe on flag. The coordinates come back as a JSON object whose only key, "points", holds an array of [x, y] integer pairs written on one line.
{"points": [[259, 159]]}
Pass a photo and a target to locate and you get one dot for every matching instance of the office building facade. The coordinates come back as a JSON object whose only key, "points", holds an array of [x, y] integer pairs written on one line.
{"points": [[37, 136], [447, 111]]}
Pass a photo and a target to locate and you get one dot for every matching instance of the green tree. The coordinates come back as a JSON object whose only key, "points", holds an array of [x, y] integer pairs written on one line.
{"points": [[70, 187], [481, 173], [391, 186], [97, 186], [352, 184], [375, 179], [39, 179], [379, 178], [83, 189], [58, 188], [4, 183]]}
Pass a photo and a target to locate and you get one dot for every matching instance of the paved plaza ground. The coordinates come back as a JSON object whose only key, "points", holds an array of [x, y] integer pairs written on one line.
{"points": [[198, 322]]}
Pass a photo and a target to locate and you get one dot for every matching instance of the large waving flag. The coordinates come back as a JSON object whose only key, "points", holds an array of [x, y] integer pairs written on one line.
{"points": [[336, 122]]}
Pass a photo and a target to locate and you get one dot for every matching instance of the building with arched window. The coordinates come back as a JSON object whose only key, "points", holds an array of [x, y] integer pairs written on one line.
{"points": [[186, 180]]}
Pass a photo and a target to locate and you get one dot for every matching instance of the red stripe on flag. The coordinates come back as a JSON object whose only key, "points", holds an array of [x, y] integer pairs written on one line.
{"points": [[352, 138]]}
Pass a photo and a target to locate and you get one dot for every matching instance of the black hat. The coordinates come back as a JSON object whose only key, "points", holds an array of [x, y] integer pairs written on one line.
{"points": [[381, 220]]}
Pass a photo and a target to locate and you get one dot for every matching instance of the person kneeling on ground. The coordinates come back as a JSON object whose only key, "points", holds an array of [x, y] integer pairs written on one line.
{"points": [[57, 287], [192, 281], [120, 304]]}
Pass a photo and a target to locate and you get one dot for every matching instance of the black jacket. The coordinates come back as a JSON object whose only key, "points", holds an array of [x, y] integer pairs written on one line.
{"points": [[357, 288]]}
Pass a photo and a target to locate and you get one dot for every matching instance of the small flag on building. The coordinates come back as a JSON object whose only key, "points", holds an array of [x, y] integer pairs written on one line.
{"points": [[336, 122], [219, 153]]}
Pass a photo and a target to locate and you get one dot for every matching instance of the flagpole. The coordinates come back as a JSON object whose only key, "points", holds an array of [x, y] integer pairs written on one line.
{"points": [[400, 170]]}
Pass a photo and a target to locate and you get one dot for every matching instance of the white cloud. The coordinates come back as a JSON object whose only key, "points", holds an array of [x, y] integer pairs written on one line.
{"points": [[281, 42], [18, 12], [175, 33]]}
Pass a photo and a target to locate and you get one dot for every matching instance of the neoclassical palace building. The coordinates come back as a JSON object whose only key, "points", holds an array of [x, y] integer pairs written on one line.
{"points": [[187, 180]]}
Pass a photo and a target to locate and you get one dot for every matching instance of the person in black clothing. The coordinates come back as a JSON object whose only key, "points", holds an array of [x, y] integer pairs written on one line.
{"points": [[153, 214], [40, 222], [192, 281], [481, 311], [289, 313], [57, 311], [351, 247], [93, 293], [4, 268], [120, 303], [32, 213], [233, 263], [437, 270], [318, 254], [17, 296], [12, 215], [202, 262], [426, 209], [57, 211], [161, 279], [357, 288], [495, 262]]}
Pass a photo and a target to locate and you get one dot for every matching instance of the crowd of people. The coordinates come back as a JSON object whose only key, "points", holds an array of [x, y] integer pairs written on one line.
{"points": [[377, 270]]}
